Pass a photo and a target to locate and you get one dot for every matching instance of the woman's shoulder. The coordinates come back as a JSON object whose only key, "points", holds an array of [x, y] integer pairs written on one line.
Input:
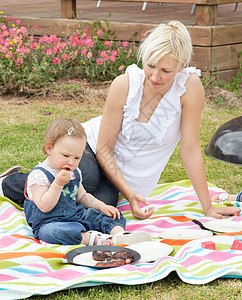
{"points": [[193, 89], [133, 69], [193, 81], [121, 80], [120, 85], [188, 77]]}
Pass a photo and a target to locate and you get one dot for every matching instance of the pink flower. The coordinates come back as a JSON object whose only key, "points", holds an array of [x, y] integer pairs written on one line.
{"points": [[4, 27], [5, 33], [121, 68], [112, 58], [85, 30], [99, 32], [56, 60], [125, 44], [115, 53], [18, 21], [107, 43], [36, 27], [49, 51], [56, 50], [84, 52], [33, 45], [19, 62], [18, 39], [82, 42], [3, 49], [75, 24], [25, 50], [23, 29], [103, 53], [99, 61], [43, 39], [89, 54], [143, 34], [10, 54], [64, 57], [7, 42], [90, 43], [11, 19], [34, 68]]}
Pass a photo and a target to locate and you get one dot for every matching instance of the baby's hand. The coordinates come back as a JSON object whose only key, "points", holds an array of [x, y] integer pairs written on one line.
{"points": [[63, 177], [110, 211]]}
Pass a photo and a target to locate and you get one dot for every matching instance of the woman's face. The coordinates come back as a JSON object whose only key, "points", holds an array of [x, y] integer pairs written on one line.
{"points": [[161, 76]]}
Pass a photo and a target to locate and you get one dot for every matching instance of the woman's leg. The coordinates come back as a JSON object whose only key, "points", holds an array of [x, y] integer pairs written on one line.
{"points": [[90, 170], [106, 191], [94, 181], [13, 187]]}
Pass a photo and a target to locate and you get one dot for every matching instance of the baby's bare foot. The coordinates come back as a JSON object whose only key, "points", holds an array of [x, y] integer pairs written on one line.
{"points": [[108, 242], [223, 197], [100, 241]]}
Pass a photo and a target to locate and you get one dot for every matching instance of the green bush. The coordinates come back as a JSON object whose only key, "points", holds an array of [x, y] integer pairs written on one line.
{"points": [[29, 63]]}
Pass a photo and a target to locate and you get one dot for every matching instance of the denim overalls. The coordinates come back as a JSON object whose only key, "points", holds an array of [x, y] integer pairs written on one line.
{"points": [[65, 222]]}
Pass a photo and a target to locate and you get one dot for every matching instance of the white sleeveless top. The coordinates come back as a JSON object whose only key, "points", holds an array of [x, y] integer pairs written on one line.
{"points": [[142, 150]]}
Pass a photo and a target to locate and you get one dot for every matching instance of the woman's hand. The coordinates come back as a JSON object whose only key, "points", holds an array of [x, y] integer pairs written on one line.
{"points": [[62, 178], [137, 212], [110, 211], [222, 212]]}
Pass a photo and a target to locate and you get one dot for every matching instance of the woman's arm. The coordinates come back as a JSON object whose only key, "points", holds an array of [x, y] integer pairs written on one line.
{"points": [[108, 134], [192, 104]]}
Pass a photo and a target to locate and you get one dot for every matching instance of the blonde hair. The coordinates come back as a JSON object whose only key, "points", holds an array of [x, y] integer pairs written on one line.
{"points": [[60, 128], [171, 38]]}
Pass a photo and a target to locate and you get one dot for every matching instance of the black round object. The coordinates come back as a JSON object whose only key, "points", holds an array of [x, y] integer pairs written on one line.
{"points": [[70, 256], [226, 143]]}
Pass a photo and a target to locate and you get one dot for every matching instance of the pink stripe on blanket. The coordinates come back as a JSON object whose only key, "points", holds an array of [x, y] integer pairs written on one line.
{"points": [[8, 212], [177, 190], [7, 241], [6, 277], [215, 256], [161, 225], [66, 274], [124, 207]]}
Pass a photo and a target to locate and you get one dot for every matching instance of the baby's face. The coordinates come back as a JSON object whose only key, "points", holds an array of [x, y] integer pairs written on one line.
{"points": [[66, 153]]}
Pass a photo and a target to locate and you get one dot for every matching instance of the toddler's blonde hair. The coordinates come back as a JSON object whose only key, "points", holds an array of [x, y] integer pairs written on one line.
{"points": [[60, 128], [171, 38]]}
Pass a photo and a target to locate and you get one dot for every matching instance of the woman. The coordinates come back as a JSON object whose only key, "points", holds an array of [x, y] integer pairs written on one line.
{"points": [[146, 113]]}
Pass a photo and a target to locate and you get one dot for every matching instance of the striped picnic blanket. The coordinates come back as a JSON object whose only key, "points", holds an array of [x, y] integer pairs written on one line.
{"points": [[31, 267]]}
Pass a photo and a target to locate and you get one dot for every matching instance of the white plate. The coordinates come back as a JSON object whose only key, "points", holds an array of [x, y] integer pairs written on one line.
{"points": [[151, 250], [82, 256], [224, 225], [181, 233]]}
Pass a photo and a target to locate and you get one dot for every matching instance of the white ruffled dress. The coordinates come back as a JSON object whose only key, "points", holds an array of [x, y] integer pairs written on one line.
{"points": [[142, 150]]}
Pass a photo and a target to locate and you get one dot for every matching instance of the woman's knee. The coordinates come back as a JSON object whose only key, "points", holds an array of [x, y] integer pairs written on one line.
{"points": [[90, 170]]}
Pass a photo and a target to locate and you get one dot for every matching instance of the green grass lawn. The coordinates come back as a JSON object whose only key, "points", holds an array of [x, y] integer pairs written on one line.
{"points": [[22, 125]]}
